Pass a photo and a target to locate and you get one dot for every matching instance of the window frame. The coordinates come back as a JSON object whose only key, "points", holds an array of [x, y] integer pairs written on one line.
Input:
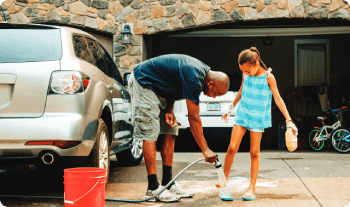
{"points": [[87, 48], [106, 57], [109, 58]]}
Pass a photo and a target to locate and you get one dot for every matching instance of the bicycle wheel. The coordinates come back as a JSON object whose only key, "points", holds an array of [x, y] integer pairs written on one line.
{"points": [[317, 146], [338, 143]]}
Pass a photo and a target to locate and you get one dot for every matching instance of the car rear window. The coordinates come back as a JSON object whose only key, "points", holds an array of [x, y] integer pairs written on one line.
{"points": [[29, 45]]}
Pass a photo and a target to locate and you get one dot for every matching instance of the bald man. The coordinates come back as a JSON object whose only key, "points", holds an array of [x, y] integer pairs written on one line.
{"points": [[154, 86]]}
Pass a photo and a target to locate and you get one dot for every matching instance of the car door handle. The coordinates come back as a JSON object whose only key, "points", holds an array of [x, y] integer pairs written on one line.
{"points": [[110, 88], [7, 79]]}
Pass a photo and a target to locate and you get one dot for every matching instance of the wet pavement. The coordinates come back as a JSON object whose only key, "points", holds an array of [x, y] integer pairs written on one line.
{"points": [[285, 179]]}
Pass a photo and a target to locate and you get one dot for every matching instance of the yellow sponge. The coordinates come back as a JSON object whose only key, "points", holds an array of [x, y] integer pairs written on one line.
{"points": [[291, 140]]}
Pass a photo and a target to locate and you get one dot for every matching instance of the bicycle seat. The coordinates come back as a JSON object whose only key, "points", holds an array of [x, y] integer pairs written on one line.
{"points": [[321, 118]]}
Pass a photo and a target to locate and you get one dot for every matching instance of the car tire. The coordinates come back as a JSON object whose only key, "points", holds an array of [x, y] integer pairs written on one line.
{"points": [[132, 156], [99, 155]]}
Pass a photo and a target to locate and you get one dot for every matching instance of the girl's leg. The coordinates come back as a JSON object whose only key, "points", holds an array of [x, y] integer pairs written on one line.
{"points": [[255, 139], [236, 138]]}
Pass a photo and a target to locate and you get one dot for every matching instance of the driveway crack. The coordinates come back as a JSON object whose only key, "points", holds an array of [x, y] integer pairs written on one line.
{"points": [[308, 189]]}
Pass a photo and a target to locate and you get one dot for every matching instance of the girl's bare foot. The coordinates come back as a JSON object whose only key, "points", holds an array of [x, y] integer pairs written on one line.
{"points": [[222, 183], [249, 195]]}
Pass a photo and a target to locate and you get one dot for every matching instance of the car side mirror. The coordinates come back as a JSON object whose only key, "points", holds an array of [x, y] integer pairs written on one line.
{"points": [[126, 78]]}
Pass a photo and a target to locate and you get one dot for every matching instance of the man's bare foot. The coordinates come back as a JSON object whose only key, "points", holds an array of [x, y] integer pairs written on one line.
{"points": [[222, 183]]}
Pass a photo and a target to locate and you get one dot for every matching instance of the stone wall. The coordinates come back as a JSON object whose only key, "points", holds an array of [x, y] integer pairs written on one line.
{"points": [[152, 16]]}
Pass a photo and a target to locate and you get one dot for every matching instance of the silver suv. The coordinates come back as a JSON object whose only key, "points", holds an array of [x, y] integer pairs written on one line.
{"points": [[62, 100]]}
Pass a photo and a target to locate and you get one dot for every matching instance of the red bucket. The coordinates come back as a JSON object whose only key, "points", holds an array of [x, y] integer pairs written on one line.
{"points": [[84, 187]]}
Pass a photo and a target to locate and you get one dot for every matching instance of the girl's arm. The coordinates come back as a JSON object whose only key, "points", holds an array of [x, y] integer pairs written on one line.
{"points": [[226, 116], [276, 95]]}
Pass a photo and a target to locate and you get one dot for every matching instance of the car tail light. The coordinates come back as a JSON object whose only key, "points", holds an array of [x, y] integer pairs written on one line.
{"points": [[68, 82], [60, 144], [39, 143], [66, 144]]}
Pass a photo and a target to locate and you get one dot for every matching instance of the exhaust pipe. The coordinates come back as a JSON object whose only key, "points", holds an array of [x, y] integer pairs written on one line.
{"points": [[47, 158]]}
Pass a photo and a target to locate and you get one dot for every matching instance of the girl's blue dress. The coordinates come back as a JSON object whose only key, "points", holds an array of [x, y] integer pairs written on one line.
{"points": [[254, 110]]}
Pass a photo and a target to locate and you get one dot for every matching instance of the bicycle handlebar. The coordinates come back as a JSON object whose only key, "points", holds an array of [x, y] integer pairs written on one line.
{"points": [[336, 110]]}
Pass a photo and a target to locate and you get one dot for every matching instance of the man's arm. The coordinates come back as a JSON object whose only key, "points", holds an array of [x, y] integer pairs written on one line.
{"points": [[197, 130]]}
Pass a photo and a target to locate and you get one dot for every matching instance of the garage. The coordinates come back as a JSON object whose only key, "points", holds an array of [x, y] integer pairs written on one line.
{"points": [[302, 57]]}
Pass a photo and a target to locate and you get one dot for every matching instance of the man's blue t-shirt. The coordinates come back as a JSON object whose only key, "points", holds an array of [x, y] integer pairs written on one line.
{"points": [[173, 76]]}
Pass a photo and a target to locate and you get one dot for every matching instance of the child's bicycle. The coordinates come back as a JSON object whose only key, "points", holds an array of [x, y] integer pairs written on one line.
{"points": [[318, 136], [341, 140]]}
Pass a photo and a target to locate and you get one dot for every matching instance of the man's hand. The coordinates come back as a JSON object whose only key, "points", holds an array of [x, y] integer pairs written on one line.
{"points": [[170, 119], [209, 155]]}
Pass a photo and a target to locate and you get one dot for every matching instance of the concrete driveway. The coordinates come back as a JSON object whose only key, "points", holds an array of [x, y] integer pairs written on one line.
{"points": [[285, 179]]}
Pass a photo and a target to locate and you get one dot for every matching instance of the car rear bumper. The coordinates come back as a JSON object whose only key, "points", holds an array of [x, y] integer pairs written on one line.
{"points": [[213, 127], [15, 133], [34, 160], [207, 121]]}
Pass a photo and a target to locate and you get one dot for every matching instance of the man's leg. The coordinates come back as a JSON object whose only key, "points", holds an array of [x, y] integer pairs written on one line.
{"points": [[149, 153], [146, 109], [167, 151], [143, 129]]}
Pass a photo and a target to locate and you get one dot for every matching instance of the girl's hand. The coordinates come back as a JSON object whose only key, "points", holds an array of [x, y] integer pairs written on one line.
{"points": [[226, 117], [291, 125]]}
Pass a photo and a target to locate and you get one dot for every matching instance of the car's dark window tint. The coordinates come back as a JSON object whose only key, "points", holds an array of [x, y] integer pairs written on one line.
{"points": [[30, 45], [80, 44], [97, 56], [113, 71]]}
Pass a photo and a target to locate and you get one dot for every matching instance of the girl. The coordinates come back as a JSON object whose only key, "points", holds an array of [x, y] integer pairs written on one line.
{"points": [[254, 112]]}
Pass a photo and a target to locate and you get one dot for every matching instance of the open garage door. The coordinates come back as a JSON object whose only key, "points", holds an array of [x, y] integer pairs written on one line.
{"points": [[219, 49]]}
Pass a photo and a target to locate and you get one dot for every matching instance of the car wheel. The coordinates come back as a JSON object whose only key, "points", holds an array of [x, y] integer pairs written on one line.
{"points": [[133, 155], [99, 155]]}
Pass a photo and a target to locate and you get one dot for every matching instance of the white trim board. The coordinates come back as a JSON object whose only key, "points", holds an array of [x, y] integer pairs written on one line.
{"points": [[252, 32]]}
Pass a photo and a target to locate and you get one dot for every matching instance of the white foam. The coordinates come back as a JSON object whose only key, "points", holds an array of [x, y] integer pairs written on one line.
{"points": [[235, 184], [271, 184]]}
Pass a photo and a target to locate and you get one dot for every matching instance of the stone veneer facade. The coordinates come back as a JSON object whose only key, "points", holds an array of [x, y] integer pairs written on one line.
{"points": [[152, 16]]}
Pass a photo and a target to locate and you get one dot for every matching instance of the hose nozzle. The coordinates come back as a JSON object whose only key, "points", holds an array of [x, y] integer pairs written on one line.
{"points": [[217, 162]]}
